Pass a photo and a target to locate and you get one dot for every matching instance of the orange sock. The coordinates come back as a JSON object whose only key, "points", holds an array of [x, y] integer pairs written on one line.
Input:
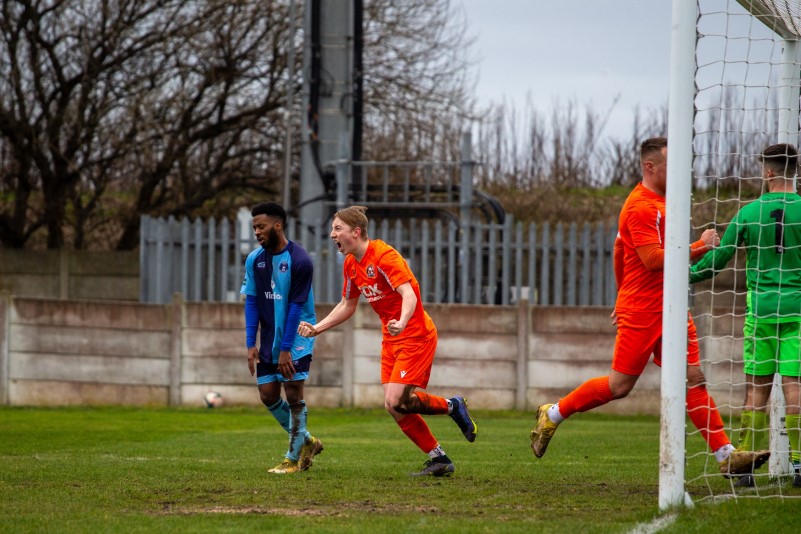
{"points": [[417, 430], [432, 405], [705, 416], [591, 394]]}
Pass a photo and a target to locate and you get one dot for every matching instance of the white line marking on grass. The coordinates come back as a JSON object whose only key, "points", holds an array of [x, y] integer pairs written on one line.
{"points": [[654, 526]]}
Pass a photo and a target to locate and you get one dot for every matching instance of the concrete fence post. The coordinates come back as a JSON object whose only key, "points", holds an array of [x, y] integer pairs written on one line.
{"points": [[348, 369], [176, 313], [523, 322], [63, 274], [5, 336]]}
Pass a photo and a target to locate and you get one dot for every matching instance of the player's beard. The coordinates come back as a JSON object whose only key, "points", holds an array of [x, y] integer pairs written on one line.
{"points": [[272, 241]]}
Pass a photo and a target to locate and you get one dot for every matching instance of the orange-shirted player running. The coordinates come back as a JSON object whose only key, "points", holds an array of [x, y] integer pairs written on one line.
{"points": [[639, 259], [376, 270]]}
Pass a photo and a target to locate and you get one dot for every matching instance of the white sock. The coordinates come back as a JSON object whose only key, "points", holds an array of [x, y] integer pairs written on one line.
{"points": [[436, 452], [723, 452], [554, 414]]}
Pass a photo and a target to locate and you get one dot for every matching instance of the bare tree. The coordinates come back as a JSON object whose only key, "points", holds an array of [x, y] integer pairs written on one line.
{"points": [[565, 151], [730, 134], [620, 159], [418, 79], [167, 103], [118, 108]]}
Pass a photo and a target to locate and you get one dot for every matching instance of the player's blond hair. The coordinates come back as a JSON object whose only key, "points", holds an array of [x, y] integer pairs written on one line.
{"points": [[354, 217]]}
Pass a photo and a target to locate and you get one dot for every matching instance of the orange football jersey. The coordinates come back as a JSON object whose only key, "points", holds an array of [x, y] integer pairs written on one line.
{"points": [[376, 276], [642, 222]]}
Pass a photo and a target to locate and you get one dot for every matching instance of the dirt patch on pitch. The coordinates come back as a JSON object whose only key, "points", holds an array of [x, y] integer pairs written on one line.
{"points": [[331, 510]]}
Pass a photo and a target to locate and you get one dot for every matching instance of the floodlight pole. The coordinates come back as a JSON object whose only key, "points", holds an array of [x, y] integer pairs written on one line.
{"points": [[290, 97], [676, 268]]}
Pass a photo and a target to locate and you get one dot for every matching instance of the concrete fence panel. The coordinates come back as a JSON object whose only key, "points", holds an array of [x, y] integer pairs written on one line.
{"points": [[58, 352], [70, 274], [86, 352]]}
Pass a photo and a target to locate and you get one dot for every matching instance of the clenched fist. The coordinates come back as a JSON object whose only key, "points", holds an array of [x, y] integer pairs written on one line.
{"points": [[306, 329], [710, 238]]}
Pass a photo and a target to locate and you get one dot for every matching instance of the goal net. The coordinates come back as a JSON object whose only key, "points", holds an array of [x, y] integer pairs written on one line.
{"points": [[746, 98]]}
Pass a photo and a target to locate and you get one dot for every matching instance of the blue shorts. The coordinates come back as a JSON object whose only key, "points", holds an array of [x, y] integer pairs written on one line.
{"points": [[268, 372]]}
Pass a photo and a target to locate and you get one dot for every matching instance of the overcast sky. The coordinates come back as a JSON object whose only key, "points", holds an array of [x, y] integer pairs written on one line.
{"points": [[586, 51], [589, 52]]}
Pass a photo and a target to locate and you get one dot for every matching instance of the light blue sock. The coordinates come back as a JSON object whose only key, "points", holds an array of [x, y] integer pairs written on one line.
{"points": [[297, 429], [280, 410]]}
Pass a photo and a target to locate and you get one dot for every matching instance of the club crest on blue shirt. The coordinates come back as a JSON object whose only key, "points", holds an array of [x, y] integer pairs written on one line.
{"points": [[283, 267], [370, 271]]}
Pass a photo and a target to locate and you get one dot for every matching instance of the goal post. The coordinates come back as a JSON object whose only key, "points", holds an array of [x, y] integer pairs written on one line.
{"points": [[788, 105], [677, 228], [734, 89]]}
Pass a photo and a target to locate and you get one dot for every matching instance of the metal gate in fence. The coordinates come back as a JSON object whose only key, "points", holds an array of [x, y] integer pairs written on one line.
{"points": [[484, 263]]}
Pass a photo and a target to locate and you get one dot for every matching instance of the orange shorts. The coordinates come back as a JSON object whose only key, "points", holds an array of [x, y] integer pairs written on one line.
{"points": [[639, 334], [408, 361]]}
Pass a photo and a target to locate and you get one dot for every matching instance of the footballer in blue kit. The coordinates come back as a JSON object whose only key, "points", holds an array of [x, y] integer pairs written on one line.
{"points": [[278, 296]]}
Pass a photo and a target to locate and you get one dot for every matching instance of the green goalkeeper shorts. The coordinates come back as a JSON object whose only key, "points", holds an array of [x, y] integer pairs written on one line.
{"points": [[770, 348]]}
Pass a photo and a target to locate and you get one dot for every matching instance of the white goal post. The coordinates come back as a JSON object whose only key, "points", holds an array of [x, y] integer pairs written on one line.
{"points": [[779, 122], [677, 228]]}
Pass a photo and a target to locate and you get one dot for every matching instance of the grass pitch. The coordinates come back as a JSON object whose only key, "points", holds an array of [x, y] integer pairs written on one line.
{"points": [[199, 470]]}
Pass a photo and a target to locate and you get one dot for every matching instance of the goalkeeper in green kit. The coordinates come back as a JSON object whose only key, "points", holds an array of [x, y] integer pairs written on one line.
{"points": [[770, 230]]}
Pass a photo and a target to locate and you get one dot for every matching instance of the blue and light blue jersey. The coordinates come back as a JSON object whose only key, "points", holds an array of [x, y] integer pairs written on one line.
{"points": [[278, 281]]}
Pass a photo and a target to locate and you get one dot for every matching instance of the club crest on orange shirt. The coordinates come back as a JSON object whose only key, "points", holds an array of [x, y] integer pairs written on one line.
{"points": [[370, 271]]}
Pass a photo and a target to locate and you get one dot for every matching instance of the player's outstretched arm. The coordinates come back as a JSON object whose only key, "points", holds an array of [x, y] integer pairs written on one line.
{"points": [[718, 256], [653, 255], [341, 313], [709, 240]]}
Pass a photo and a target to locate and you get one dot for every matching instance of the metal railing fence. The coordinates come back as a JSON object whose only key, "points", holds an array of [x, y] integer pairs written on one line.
{"points": [[561, 264]]}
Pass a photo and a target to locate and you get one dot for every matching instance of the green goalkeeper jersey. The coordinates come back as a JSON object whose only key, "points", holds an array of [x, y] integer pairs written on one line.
{"points": [[770, 230]]}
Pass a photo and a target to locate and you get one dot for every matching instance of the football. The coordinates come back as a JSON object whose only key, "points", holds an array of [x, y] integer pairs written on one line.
{"points": [[213, 399]]}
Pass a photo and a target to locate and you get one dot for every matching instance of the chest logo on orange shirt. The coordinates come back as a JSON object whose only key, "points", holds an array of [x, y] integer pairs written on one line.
{"points": [[370, 271], [371, 292]]}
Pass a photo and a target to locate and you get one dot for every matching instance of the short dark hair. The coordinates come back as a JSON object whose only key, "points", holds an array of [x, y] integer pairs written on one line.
{"points": [[271, 209], [651, 145], [782, 158]]}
